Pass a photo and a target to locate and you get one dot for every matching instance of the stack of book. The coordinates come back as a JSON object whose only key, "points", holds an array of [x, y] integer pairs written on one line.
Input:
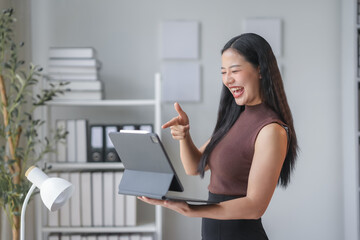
{"points": [[79, 67], [95, 203], [75, 147]]}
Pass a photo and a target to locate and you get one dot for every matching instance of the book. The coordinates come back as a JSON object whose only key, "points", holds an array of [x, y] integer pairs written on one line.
{"points": [[61, 151], [86, 199], [135, 237], [53, 218], [113, 237], [130, 210], [119, 201], [72, 70], [71, 52], [73, 76], [65, 209], [75, 237], [81, 140], [108, 198], [146, 237], [124, 237], [97, 197], [54, 237], [79, 95], [71, 140], [70, 62], [75, 200], [128, 127], [146, 127], [83, 85], [102, 237], [65, 237]]}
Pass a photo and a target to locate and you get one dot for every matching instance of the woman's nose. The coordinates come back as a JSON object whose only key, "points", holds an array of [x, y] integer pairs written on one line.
{"points": [[229, 78]]}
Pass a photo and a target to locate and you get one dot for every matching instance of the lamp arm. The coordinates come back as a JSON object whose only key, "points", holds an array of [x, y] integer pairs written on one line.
{"points": [[23, 209]]}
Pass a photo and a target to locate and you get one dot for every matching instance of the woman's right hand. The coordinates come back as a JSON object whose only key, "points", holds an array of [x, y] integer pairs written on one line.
{"points": [[179, 125]]}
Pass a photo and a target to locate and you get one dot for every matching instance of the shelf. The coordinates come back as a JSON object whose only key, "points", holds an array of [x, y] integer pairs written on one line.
{"points": [[146, 228], [107, 103], [86, 166], [153, 223]]}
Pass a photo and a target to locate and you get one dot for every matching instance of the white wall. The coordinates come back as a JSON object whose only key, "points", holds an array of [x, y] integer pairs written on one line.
{"points": [[350, 123], [126, 37]]}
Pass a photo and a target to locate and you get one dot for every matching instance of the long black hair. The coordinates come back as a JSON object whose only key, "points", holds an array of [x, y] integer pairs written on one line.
{"points": [[258, 52]]}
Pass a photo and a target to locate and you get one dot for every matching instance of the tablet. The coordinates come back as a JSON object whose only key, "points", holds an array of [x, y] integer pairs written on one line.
{"points": [[148, 169]]}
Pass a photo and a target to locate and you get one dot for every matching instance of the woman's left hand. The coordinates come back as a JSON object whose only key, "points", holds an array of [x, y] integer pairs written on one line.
{"points": [[179, 206]]}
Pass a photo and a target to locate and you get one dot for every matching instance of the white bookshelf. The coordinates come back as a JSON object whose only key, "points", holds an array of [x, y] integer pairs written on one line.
{"points": [[103, 103], [350, 27], [86, 166], [142, 227]]}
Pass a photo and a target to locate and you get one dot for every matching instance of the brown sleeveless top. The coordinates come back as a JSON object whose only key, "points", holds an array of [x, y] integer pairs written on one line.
{"points": [[231, 159]]}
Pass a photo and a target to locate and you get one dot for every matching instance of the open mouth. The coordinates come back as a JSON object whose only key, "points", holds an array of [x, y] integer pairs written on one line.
{"points": [[237, 91]]}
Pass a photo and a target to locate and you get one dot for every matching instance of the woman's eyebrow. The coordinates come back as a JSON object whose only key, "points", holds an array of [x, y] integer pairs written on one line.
{"points": [[232, 66]]}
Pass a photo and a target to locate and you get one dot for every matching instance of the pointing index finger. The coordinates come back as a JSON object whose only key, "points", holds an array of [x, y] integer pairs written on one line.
{"points": [[181, 119], [170, 123]]}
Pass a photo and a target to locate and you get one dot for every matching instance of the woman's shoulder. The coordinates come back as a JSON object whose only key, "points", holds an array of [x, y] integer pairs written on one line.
{"points": [[274, 129], [273, 136], [271, 124]]}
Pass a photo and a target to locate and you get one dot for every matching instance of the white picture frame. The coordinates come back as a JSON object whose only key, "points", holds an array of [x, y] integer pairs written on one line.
{"points": [[180, 40]]}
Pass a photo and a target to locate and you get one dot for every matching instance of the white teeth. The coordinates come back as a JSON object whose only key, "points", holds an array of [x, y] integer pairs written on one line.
{"points": [[236, 89]]}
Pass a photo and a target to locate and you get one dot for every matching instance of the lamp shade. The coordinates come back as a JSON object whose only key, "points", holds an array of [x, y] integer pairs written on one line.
{"points": [[54, 192]]}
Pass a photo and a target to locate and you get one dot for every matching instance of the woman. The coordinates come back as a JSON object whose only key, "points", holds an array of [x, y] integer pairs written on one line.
{"points": [[252, 149]]}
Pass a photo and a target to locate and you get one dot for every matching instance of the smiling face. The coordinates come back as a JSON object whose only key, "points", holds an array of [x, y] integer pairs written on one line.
{"points": [[241, 78]]}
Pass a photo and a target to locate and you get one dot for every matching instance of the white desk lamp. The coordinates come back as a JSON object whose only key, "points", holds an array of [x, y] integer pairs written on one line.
{"points": [[54, 192]]}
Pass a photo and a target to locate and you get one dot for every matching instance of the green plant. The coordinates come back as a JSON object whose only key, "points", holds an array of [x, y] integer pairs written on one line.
{"points": [[20, 144]]}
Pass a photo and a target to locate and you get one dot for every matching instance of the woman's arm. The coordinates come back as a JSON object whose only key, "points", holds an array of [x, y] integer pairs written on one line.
{"points": [[269, 155], [190, 155]]}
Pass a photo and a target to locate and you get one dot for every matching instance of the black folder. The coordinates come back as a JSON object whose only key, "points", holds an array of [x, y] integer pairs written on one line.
{"points": [[148, 170], [96, 143], [110, 152]]}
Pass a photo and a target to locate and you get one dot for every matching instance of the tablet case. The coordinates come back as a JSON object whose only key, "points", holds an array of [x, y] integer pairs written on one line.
{"points": [[148, 170]]}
